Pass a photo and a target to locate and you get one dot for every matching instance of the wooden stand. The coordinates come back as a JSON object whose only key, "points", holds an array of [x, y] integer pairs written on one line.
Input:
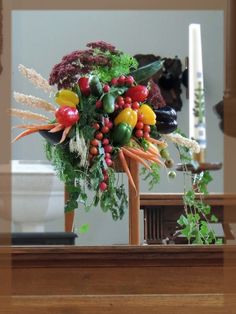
{"points": [[134, 208], [69, 216], [134, 205], [203, 166], [200, 157]]}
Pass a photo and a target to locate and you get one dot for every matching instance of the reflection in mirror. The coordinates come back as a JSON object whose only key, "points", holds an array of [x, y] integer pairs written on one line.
{"points": [[41, 38]]}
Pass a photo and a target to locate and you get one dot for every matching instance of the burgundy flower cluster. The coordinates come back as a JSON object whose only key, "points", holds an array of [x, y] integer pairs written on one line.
{"points": [[154, 97], [80, 62], [103, 46]]}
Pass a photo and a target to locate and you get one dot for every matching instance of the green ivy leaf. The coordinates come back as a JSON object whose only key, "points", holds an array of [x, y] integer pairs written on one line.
{"points": [[214, 218], [84, 228]]}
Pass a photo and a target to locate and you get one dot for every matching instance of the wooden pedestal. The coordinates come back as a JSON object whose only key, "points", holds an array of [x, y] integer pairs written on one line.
{"points": [[134, 207]]}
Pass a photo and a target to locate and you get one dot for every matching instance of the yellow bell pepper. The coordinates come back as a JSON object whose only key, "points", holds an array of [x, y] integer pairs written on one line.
{"points": [[66, 97], [128, 116], [149, 116]]}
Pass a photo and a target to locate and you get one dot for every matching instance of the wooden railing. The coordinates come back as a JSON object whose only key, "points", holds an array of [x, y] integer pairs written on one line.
{"points": [[122, 279]]}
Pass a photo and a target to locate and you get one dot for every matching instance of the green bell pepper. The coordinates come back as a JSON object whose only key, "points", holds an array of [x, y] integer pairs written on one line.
{"points": [[121, 134]]}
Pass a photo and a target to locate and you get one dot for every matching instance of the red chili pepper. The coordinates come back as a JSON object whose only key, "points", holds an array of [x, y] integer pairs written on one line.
{"points": [[84, 86]]}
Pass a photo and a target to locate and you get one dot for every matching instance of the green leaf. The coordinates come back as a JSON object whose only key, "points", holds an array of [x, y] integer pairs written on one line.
{"points": [[84, 228], [182, 221], [214, 218]]}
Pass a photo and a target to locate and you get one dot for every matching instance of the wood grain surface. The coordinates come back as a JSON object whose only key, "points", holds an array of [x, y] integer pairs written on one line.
{"points": [[118, 279]]}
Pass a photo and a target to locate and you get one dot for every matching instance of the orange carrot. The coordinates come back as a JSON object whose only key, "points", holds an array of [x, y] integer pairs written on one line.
{"points": [[136, 157], [146, 155], [153, 149], [126, 169], [58, 127], [140, 152], [25, 133], [35, 126], [155, 141], [64, 134], [156, 160]]}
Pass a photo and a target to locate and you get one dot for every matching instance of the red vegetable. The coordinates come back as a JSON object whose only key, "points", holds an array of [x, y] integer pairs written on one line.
{"points": [[137, 93], [84, 86], [67, 116], [103, 186]]}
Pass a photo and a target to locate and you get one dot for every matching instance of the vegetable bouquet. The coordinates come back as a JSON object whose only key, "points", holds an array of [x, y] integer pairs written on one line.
{"points": [[100, 114]]}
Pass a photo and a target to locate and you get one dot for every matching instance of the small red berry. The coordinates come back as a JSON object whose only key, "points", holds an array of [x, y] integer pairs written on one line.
{"points": [[114, 81], [146, 135], [135, 105], [110, 125], [139, 133], [105, 175], [105, 141], [129, 80], [140, 117], [139, 125], [128, 100], [106, 121], [103, 186], [95, 142], [127, 105], [96, 126], [121, 80], [105, 129], [99, 136], [93, 150], [108, 148], [106, 88], [98, 104], [120, 101], [147, 128], [108, 162], [107, 156], [117, 107]]}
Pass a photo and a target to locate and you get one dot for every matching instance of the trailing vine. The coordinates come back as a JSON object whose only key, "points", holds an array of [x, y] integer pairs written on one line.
{"points": [[195, 223]]}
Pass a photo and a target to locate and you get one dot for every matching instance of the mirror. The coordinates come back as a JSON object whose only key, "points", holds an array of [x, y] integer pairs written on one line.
{"points": [[61, 27]]}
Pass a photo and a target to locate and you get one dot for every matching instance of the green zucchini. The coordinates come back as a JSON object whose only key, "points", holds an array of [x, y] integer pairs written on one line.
{"points": [[108, 102], [147, 71], [95, 86]]}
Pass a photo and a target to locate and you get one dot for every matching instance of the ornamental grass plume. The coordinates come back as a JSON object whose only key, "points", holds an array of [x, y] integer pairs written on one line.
{"points": [[33, 102], [183, 141], [28, 115], [35, 78]]}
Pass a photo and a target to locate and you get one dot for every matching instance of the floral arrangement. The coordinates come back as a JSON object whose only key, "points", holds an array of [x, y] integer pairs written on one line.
{"points": [[101, 116]]}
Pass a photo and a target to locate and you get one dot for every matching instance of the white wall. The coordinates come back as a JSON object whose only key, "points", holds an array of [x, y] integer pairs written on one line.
{"points": [[41, 38]]}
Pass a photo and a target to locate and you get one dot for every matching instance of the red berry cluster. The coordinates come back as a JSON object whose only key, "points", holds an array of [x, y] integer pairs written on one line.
{"points": [[101, 139], [126, 102], [103, 185], [122, 80], [141, 129]]}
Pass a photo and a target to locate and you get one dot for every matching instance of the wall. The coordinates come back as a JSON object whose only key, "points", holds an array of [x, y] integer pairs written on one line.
{"points": [[41, 38]]}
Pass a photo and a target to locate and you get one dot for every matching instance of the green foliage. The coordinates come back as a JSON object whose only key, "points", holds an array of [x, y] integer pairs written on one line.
{"points": [[120, 64], [78, 180], [194, 224], [153, 176], [84, 228]]}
